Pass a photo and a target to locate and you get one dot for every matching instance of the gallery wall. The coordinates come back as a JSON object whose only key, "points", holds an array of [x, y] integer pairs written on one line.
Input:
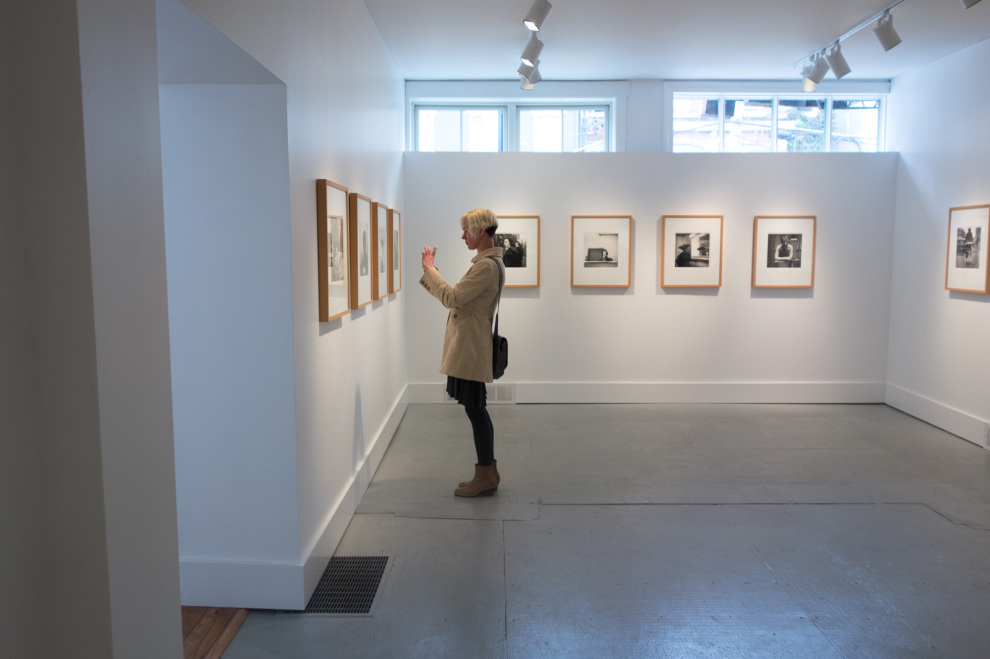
{"points": [[92, 441], [343, 122], [650, 344], [939, 364]]}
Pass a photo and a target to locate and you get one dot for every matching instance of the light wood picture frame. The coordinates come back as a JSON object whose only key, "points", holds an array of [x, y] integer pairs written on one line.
{"points": [[519, 238], [966, 252], [379, 251], [332, 249], [394, 251], [691, 251], [359, 216], [784, 251], [601, 251]]}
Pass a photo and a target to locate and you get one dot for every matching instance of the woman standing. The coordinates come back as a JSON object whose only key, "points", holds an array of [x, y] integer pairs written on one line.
{"points": [[467, 342]]}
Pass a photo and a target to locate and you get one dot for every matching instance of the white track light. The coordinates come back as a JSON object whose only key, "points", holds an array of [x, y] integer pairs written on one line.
{"points": [[819, 67], [532, 51], [836, 61], [537, 14], [530, 73], [885, 31]]}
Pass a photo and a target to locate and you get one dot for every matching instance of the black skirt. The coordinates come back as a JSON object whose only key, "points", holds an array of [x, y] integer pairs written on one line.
{"points": [[467, 392]]}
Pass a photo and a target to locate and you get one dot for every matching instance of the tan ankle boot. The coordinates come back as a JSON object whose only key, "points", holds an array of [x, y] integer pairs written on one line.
{"points": [[498, 478], [482, 485]]}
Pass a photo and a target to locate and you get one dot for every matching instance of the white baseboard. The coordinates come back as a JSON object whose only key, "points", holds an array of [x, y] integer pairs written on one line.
{"points": [[284, 585], [319, 554], [675, 392], [241, 585], [970, 428]]}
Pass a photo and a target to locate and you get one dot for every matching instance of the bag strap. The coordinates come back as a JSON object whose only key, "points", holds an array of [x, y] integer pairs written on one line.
{"points": [[498, 300]]}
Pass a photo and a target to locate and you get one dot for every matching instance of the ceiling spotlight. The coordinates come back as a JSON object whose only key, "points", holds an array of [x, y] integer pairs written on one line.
{"points": [[818, 68], [531, 73], [532, 51], [885, 31], [537, 14], [808, 85], [837, 61], [969, 3], [527, 85]]}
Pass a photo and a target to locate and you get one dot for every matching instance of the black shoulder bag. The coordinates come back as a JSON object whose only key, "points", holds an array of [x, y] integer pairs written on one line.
{"points": [[500, 345]]}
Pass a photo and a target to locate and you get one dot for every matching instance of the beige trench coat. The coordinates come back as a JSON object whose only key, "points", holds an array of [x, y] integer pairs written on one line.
{"points": [[467, 342]]}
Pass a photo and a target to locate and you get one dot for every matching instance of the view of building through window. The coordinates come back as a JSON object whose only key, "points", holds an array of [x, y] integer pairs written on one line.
{"points": [[563, 130], [712, 124]]}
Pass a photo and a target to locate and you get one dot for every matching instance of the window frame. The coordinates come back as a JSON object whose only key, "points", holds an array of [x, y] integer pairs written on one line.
{"points": [[605, 107], [776, 91], [461, 107], [510, 110]]}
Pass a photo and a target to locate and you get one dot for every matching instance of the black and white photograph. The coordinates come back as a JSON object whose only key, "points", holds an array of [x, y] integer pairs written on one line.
{"points": [[968, 247], [601, 251], [335, 238], [513, 249], [966, 253], [332, 250], [691, 251], [363, 255], [519, 238], [783, 250], [394, 227]]}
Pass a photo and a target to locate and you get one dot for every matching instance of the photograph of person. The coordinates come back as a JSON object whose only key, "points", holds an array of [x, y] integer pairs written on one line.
{"points": [[513, 249], [784, 250], [968, 247]]}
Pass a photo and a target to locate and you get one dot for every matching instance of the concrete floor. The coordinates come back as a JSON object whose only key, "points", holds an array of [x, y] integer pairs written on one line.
{"points": [[667, 531]]}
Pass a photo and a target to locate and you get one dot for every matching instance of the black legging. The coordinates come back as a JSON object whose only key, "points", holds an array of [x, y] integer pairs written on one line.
{"points": [[484, 434]]}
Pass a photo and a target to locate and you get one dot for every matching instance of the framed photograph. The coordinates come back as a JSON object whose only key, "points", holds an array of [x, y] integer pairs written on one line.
{"points": [[359, 215], [379, 251], [601, 250], [966, 254], [784, 251], [332, 250], [691, 250], [394, 251], [519, 238]]}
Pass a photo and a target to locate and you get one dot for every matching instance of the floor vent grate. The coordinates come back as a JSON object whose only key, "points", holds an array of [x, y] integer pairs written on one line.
{"points": [[348, 585]]}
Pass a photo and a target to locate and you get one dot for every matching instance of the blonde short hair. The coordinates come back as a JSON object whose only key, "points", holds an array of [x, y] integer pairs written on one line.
{"points": [[478, 220]]}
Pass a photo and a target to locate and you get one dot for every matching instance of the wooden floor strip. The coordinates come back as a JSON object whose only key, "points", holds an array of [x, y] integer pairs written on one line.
{"points": [[207, 631]]}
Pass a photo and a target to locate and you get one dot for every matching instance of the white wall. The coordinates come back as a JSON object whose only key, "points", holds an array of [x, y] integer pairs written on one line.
{"points": [[95, 437], [344, 122], [939, 365], [651, 344]]}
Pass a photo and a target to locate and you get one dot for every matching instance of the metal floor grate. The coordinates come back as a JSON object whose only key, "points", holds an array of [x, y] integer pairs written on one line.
{"points": [[348, 585]]}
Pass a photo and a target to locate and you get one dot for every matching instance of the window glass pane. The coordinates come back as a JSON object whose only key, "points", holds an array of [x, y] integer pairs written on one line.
{"points": [[541, 130], [438, 130], [696, 125], [563, 130], [482, 130], [590, 132], [748, 124], [855, 125], [801, 125]]}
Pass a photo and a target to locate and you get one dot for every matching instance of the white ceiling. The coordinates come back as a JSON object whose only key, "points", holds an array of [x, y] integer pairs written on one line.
{"points": [[672, 40]]}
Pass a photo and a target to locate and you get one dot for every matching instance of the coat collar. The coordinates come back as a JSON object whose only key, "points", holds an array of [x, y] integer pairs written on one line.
{"points": [[492, 251]]}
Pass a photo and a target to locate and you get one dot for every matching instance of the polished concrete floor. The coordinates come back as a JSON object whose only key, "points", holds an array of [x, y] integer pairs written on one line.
{"points": [[667, 531]]}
